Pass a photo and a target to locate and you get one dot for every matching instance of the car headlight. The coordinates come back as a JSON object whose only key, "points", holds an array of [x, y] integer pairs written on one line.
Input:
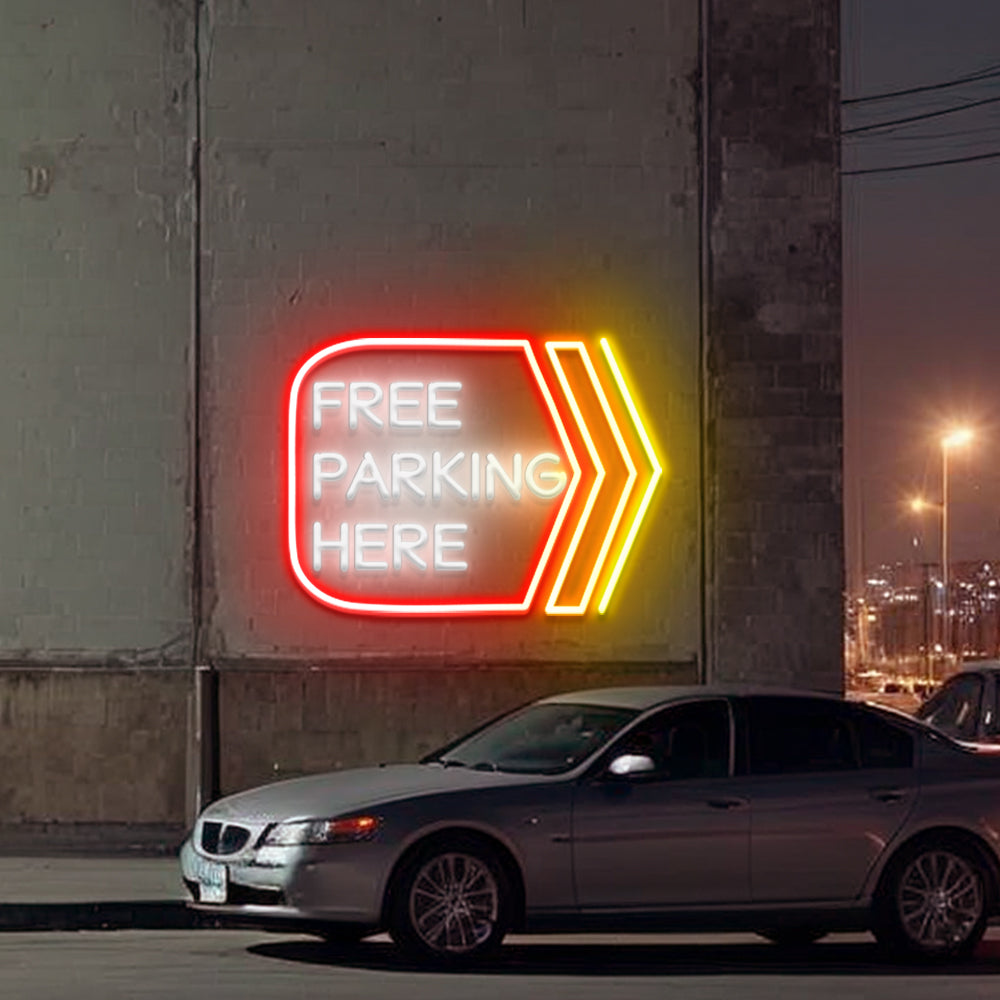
{"points": [[322, 831]]}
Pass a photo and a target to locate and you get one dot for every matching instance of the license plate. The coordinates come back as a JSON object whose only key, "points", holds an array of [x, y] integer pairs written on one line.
{"points": [[212, 881]]}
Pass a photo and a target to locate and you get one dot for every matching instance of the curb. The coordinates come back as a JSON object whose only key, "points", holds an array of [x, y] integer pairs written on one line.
{"points": [[114, 916]]}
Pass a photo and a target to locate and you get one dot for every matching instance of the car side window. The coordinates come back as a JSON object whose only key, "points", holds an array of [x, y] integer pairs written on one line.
{"points": [[955, 709], [881, 744], [685, 741], [799, 736], [991, 718]]}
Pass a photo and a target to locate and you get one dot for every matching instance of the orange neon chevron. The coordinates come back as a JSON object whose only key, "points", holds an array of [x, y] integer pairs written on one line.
{"points": [[609, 495]]}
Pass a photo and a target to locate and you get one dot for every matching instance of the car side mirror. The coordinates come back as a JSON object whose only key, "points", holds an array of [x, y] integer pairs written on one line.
{"points": [[631, 763]]}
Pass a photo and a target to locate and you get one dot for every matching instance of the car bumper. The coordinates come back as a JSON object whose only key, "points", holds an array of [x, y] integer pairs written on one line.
{"points": [[334, 884]]}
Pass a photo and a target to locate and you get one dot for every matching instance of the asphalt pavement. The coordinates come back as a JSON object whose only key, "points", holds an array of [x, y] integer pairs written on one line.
{"points": [[160, 950]]}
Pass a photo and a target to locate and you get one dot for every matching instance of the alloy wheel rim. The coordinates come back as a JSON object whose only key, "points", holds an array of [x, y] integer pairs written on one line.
{"points": [[940, 900], [454, 903]]}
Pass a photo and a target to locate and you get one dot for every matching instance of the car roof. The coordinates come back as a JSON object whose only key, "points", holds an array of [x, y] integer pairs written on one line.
{"points": [[979, 665], [649, 696]]}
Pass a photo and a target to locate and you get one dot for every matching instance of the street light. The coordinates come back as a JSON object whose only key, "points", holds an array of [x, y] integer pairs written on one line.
{"points": [[955, 438], [920, 505]]}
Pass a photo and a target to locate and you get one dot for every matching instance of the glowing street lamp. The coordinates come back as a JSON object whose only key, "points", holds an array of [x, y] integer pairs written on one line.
{"points": [[957, 437], [920, 505]]}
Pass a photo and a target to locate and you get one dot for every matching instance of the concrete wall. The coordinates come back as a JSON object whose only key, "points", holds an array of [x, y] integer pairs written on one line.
{"points": [[532, 164], [92, 744], [445, 165], [95, 305]]}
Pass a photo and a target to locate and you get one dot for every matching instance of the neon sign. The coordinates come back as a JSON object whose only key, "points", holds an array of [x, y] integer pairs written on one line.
{"points": [[464, 475]]}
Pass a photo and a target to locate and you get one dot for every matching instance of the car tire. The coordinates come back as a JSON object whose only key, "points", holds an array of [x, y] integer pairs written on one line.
{"points": [[793, 937], [342, 937], [451, 904], [933, 901]]}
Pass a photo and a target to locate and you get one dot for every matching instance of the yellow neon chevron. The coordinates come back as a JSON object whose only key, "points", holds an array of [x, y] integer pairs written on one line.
{"points": [[553, 607], [650, 488]]}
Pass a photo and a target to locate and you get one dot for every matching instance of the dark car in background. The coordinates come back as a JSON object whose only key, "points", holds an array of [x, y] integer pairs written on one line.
{"points": [[967, 705]]}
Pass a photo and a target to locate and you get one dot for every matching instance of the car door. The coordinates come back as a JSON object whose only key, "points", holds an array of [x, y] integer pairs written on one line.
{"points": [[831, 783], [676, 835]]}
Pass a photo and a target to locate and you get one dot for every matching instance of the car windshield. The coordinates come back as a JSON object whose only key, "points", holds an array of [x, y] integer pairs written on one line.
{"points": [[539, 739]]}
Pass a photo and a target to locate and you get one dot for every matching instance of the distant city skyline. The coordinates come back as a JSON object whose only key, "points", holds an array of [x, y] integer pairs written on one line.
{"points": [[921, 282]]}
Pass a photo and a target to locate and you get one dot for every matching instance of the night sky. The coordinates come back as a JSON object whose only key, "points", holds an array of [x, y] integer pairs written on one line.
{"points": [[921, 282]]}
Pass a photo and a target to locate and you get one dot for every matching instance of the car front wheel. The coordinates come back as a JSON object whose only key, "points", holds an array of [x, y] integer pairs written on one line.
{"points": [[452, 905], [933, 903]]}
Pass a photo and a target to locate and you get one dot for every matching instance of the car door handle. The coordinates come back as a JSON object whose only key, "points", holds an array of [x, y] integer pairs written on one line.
{"points": [[887, 794], [727, 803]]}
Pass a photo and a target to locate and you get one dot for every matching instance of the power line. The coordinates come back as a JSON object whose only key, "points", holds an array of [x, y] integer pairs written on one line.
{"points": [[921, 117], [919, 166], [987, 74], [975, 133]]}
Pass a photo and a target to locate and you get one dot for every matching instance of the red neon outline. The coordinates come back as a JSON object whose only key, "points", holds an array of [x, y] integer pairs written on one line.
{"points": [[446, 342]]}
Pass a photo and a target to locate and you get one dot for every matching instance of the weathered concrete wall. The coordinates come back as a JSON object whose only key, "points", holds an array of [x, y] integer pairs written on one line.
{"points": [[95, 305], [93, 745], [774, 428], [454, 164], [528, 164]]}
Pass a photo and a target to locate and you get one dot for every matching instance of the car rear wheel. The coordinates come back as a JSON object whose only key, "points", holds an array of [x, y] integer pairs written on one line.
{"points": [[933, 902], [793, 937], [452, 903]]}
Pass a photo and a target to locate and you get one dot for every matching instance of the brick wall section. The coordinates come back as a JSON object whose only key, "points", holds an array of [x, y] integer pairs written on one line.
{"points": [[773, 449]]}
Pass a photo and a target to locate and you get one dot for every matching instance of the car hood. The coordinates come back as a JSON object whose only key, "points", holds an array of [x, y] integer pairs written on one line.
{"points": [[338, 792]]}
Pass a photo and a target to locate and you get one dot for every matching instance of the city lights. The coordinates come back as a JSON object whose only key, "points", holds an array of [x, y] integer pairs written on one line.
{"points": [[949, 440]]}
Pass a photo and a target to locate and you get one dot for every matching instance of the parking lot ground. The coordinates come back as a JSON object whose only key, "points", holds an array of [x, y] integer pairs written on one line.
{"points": [[117, 927], [235, 965]]}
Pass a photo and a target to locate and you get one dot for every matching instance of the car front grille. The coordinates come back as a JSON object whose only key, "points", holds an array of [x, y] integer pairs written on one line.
{"points": [[223, 838]]}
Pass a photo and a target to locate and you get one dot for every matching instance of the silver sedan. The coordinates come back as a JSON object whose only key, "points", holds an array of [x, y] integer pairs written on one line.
{"points": [[787, 813]]}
